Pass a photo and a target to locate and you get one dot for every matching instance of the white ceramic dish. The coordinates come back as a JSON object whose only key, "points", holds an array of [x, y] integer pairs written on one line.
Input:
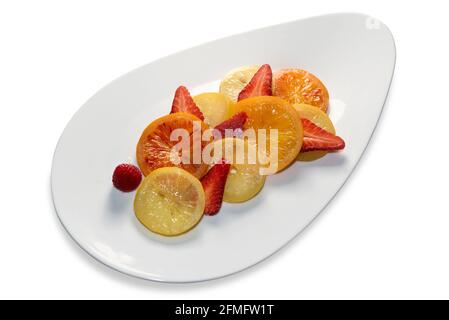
{"points": [[353, 54]]}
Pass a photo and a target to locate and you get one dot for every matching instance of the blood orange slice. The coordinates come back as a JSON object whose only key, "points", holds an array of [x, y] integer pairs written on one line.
{"points": [[155, 147]]}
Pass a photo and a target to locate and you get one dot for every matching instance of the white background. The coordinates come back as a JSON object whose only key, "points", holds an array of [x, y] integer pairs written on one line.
{"points": [[386, 235]]}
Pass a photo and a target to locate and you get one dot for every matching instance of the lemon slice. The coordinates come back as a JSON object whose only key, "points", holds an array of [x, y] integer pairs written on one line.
{"points": [[244, 179], [319, 118], [170, 201], [216, 107], [236, 80]]}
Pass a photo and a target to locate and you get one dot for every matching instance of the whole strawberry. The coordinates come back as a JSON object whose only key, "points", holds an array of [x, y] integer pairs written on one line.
{"points": [[126, 177]]}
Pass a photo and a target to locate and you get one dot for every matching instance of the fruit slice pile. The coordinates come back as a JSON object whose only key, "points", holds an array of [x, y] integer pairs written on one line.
{"points": [[220, 146]]}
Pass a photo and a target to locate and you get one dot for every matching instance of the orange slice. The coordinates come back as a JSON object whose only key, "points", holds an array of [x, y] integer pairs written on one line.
{"points": [[273, 113], [155, 148], [300, 86], [320, 119], [244, 180]]}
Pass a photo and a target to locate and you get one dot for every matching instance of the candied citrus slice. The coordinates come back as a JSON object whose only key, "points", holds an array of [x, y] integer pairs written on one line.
{"points": [[319, 118], [216, 107], [300, 86], [236, 80], [274, 113], [155, 148], [170, 201], [244, 180]]}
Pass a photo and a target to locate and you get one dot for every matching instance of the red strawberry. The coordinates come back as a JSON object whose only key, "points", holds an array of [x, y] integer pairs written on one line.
{"points": [[126, 177], [183, 102], [260, 84], [316, 138], [236, 122], [214, 183]]}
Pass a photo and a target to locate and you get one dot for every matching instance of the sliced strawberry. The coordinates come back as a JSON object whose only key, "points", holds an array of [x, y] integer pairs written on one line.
{"points": [[183, 102], [316, 138], [214, 183], [235, 123], [260, 84]]}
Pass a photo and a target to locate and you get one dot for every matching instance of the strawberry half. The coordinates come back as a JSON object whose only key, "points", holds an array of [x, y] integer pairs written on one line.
{"points": [[316, 138], [236, 122], [260, 84], [213, 184], [183, 102]]}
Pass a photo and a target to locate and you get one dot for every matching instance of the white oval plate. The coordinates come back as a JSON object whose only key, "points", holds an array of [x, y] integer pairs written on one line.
{"points": [[353, 54]]}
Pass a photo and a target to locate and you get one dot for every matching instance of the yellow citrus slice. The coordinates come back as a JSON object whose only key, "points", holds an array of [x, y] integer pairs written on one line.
{"points": [[154, 149], [216, 107], [170, 201], [236, 80], [276, 116], [319, 118], [300, 86], [244, 179]]}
